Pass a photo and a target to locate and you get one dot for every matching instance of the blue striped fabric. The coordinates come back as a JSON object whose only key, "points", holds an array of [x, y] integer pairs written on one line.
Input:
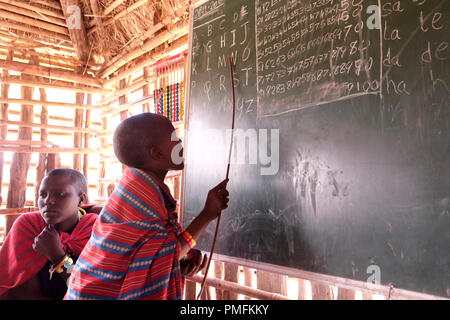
{"points": [[133, 252]]}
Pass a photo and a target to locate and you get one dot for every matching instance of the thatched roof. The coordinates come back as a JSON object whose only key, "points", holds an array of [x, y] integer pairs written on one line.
{"points": [[113, 34], [130, 23]]}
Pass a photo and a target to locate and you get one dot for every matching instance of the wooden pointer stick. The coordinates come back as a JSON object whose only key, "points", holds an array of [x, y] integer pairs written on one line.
{"points": [[202, 287]]}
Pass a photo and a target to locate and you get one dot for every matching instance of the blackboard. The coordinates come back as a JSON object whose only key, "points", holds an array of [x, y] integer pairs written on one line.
{"points": [[342, 163]]}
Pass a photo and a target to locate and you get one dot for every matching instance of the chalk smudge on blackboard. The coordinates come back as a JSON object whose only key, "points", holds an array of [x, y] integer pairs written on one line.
{"points": [[392, 248], [338, 188], [313, 183]]}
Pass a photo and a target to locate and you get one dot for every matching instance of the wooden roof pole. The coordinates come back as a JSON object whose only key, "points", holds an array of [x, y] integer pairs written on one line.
{"points": [[98, 20], [33, 22], [43, 33], [74, 19], [126, 11], [15, 7], [149, 41], [176, 47], [40, 10], [50, 73], [134, 44], [119, 15], [53, 64], [180, 29], [49, 3], [112, 6], [39, 43]]}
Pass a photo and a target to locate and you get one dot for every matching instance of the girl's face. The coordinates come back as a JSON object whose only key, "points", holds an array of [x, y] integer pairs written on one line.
{"points": [[59, 200]]}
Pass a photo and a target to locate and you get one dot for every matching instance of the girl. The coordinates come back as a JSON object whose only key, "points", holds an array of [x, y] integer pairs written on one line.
{"points": [[41, 247]]}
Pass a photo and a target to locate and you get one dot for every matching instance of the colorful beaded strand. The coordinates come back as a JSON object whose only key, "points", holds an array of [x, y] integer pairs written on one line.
{"points": [[165, 102], [155, 100], [182, 101], [169, 98], [177, 96], [174, 103], [161, 101]]}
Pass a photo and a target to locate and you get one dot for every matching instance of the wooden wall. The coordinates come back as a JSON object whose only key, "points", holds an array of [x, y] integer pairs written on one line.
{"points": [[228, 281]]}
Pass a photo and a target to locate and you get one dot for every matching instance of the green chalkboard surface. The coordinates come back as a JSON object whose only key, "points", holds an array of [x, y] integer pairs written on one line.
{"points": [[342, 149]]}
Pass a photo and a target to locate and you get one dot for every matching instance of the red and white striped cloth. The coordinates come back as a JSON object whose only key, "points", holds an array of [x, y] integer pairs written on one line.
{"points": [[19, 262], [133, 252]]}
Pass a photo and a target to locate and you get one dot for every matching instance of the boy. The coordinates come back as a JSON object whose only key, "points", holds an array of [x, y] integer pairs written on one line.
{"points": [[136, 245], [40, 248]]}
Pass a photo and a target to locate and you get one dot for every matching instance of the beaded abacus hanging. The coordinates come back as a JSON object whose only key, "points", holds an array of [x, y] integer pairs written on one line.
{"points": [[169, 89]]}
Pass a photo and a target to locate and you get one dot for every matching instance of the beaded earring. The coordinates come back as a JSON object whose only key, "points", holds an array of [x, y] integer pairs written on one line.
{"points": [[82, 212]]}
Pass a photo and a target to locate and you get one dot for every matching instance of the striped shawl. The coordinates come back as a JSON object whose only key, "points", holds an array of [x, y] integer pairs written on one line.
{"points": [[133, 252], [19, 262]]}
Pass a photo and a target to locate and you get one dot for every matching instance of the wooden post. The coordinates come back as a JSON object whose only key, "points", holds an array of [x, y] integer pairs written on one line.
{"points": [[123, 114], [123, 99], [345, 294], [77, 136], [271, 282], [4, 116], [102, 167], [248, 279], [146, 90], [321, 291], [177, 188], [367, 296], [21, 161], [110, 189], [190, 290], [218, 273], [231, 274], [42, 162], [87, 124], [53, 161], [99, 24], [302, 287]]}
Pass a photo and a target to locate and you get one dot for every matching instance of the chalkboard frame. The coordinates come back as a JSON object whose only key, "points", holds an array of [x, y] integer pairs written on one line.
{"points": [[388, 291]]}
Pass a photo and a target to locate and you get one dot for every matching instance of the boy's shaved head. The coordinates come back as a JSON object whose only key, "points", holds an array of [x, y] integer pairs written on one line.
{"points": [[135, 136], [76, 178]]}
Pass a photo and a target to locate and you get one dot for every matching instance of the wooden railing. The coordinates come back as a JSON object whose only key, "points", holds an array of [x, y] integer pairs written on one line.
{"points": [[230, 281]]}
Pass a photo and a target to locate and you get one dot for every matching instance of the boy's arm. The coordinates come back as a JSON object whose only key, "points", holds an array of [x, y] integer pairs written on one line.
{"points": [[216, 201]]}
